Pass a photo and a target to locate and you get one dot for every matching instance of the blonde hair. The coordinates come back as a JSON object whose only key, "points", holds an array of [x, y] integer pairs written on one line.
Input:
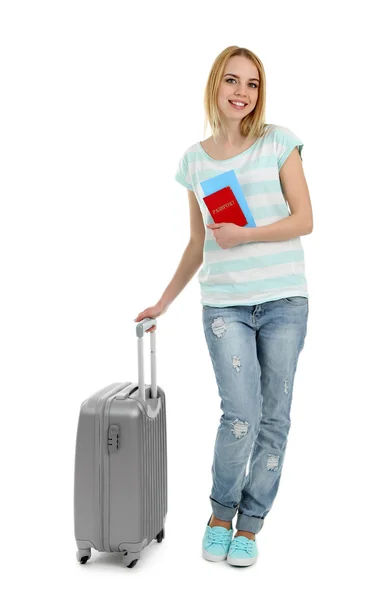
{"points": [[253, 125]]}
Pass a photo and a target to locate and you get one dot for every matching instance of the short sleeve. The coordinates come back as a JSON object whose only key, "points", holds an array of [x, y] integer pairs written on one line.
{"points": [[286, 141], [182, 174]]}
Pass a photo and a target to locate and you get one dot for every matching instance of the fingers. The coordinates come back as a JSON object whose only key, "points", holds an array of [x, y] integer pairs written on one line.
{"points": [[142, 316]]}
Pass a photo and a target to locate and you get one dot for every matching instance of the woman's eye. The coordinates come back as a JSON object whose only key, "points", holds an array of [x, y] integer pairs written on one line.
{"points": [[232, 79]]}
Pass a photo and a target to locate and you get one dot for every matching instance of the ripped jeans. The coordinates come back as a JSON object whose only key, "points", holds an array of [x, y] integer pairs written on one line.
{"points": [[254, 352]]}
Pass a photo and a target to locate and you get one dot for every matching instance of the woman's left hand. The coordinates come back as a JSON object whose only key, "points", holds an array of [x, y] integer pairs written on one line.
{"points": [[227, 235]]}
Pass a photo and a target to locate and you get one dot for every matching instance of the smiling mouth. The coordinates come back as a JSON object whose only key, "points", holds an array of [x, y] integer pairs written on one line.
{"points": [[238, 105]]}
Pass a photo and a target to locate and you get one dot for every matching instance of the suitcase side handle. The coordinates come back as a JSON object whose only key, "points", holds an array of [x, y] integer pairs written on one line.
{"points": [[141, 327]]}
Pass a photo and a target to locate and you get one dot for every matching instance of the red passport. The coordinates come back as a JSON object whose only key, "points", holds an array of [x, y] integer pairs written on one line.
{"points": [[224, 208]]}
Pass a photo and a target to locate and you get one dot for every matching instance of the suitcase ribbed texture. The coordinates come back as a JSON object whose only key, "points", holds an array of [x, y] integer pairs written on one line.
{"points": [[154, 472]]}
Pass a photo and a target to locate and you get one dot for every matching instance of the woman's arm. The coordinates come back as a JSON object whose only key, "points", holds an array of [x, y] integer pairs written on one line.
{"points": [[296, 192], [192, 257]]}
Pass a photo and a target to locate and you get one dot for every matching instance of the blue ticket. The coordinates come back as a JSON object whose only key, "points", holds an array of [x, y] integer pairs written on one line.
{"points": [[209, 186]]}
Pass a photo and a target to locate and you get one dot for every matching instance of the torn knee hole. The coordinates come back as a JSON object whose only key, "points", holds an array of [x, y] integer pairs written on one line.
{"points": [[239, 428], [272, 462], [218, 326]]}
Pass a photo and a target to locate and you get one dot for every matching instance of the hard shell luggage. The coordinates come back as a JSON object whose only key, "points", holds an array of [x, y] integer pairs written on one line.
{"points": [[120, 488]]}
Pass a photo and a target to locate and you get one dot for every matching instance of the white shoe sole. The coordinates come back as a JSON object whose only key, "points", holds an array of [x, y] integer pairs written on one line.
{"points": [[241, 562], [213, 557]]}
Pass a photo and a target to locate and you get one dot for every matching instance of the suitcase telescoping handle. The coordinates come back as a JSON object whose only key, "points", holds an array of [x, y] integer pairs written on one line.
{"points": [[141, 327]]}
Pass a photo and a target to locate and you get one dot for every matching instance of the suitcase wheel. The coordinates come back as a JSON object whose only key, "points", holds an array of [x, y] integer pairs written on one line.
{"points": [[83, 556], [160, 536], [132, 564]]}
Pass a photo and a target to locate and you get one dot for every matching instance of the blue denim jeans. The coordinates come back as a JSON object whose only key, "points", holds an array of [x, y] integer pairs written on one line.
{"points": [[254, 352]]}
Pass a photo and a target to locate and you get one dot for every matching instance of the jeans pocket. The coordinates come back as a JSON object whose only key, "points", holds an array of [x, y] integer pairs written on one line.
{"points": [[297, 300]]}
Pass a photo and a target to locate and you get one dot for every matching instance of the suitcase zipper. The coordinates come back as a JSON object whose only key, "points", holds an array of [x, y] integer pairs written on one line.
{"points": [[102, 482], [105, 467], [106, 479]]}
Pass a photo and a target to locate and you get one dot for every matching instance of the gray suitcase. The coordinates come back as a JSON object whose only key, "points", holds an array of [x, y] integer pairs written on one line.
{"points": [[120, 488]]}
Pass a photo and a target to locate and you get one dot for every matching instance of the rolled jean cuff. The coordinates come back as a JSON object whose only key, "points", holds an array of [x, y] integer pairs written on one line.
{"points": [[251, 524], [221, 512]]}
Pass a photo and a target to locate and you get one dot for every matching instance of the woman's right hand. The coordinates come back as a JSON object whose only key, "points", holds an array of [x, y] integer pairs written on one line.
{"points": [[152, 312]]}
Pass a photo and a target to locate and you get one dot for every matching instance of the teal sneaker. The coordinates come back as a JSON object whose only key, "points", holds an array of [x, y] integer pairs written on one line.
{"points": [[242, 552], [216, 542]]}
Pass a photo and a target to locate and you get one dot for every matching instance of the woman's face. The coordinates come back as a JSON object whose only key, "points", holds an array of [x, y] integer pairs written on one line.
{"points": [[240, 82]]}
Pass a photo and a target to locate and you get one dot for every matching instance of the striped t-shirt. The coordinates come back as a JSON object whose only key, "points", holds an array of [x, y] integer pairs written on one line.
{"points": [[253, 272]]}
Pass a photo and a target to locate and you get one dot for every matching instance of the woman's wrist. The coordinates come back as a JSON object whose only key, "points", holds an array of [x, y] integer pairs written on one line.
{"points": [[248, 234]]}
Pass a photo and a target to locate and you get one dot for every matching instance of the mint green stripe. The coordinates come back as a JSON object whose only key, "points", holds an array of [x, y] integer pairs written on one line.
{"points": [[213, 246], [178, 177], [293, 145], [251, 188], [255, 262], [258, 212], [260, 285], [259, 162], [266, 212]]}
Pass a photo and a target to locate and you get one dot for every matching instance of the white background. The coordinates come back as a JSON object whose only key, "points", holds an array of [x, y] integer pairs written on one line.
{"points": [[99, 101]]}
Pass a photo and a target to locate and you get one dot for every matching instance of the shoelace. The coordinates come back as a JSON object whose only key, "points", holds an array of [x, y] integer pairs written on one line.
{"points": [[217, 537], [241, 543]]}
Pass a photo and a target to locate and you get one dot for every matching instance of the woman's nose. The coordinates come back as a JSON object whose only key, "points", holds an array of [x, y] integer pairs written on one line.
{"points": [[240, 92]]}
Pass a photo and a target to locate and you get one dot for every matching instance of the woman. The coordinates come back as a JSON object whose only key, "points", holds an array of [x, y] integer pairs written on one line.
{"points": [[254, 296]]}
